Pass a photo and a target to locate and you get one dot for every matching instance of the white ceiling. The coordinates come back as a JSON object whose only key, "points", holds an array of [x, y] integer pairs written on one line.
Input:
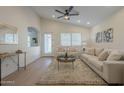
{"points": [[92, 14]]}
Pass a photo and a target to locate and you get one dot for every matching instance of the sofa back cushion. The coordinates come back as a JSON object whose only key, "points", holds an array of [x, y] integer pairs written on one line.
{"points": [[122, 57], [115, 56], [103, 55], [60, 49], [89, 51], [98, 51], [72, 49]]}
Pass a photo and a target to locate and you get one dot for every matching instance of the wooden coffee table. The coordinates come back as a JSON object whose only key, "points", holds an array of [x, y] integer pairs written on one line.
{"points": [[68, 59]]}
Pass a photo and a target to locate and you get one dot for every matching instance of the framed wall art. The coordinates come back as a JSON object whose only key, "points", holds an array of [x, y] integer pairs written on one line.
{"points": [[105, 36]]}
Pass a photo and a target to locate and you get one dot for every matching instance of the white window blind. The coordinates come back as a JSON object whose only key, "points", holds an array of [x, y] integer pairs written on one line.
{"points": [[10, 38], [65, 39], [76, 39], [70, 39]]}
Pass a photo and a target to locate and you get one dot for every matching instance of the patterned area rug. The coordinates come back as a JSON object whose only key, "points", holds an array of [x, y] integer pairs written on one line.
{"points": [[81, 75]]}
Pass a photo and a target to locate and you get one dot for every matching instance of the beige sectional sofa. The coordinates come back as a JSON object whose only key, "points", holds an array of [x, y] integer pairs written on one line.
{"points": [[110, 69]]}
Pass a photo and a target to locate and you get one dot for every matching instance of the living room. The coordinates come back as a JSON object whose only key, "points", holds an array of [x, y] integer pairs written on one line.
{"points": [[31, 53]]}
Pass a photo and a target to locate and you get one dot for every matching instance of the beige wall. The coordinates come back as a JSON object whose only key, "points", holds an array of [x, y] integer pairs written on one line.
{"points": [[56, 28], [117, 23], [20, 17]]}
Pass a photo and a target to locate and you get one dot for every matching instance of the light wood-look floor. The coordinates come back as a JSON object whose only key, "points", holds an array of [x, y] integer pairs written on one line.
{"points": [[32, 73]]}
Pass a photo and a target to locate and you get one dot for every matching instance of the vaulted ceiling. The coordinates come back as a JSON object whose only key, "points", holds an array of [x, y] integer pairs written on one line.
{"points": [[89, 15]]}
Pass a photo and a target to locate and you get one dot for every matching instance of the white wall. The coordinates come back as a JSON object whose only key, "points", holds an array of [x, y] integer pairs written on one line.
{"points": [[117, 23], [56, 28], [20, 17]]}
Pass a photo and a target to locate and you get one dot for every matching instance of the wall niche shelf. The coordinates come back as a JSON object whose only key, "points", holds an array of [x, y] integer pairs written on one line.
{"points": [[32, 37], [8, 34]]}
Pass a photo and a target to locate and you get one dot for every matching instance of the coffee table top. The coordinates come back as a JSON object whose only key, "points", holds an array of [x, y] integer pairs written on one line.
{"points": [[66, 59]]}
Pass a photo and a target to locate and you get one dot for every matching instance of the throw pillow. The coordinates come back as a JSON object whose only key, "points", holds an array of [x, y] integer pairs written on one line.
{"points": [[72, 50], [98, 51], [61, 49], [72, 53], [60, 53], [114, 56], [103, 55]]}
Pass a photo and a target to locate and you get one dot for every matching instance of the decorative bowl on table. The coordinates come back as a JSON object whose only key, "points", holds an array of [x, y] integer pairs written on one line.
{"points": [[19, 51]]}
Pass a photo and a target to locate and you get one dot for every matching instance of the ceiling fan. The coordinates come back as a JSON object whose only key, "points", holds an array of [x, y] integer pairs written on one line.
{"points": [[67, 14]]}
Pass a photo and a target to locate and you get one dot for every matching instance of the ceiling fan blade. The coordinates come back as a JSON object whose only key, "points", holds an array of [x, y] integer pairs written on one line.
{"points": [[70, 8], [59, 11], [73, 14], [60, 16]]}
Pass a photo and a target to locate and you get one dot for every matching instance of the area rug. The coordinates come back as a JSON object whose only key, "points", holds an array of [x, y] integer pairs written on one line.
{"points": [[66, 75]]}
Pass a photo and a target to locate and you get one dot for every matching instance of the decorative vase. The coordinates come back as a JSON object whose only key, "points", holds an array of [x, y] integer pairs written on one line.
{"points": [[66, 55]]}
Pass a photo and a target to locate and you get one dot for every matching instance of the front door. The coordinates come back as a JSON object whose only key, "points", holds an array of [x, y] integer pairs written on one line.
{"points": [[48, 44]]}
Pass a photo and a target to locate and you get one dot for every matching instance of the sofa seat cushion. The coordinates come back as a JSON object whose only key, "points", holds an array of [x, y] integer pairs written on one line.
{"points": [[86, 56], [83, 56], [95, 62]]}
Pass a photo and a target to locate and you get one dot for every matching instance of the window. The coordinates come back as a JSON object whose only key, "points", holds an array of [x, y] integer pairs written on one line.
{"points": [[70, 39], [10, 38], [8, 34], [65, 39], [76, 39]]}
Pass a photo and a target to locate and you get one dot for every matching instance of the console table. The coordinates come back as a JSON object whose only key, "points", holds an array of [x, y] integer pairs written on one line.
{"points": [[6, 55], [24, 59]]}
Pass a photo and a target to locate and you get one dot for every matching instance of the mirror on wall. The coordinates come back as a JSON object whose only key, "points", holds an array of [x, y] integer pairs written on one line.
{"points": [[8, 34], [32, 37]]}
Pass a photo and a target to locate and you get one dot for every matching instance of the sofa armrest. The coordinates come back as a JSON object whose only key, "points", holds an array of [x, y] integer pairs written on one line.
{"points": [[113, 71]]}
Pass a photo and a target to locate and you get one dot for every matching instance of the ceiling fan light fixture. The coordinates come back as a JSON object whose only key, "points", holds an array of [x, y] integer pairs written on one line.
{"points": [[66, 17], [67, 13], [53, 16], [88, 23], [79, 21]]}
